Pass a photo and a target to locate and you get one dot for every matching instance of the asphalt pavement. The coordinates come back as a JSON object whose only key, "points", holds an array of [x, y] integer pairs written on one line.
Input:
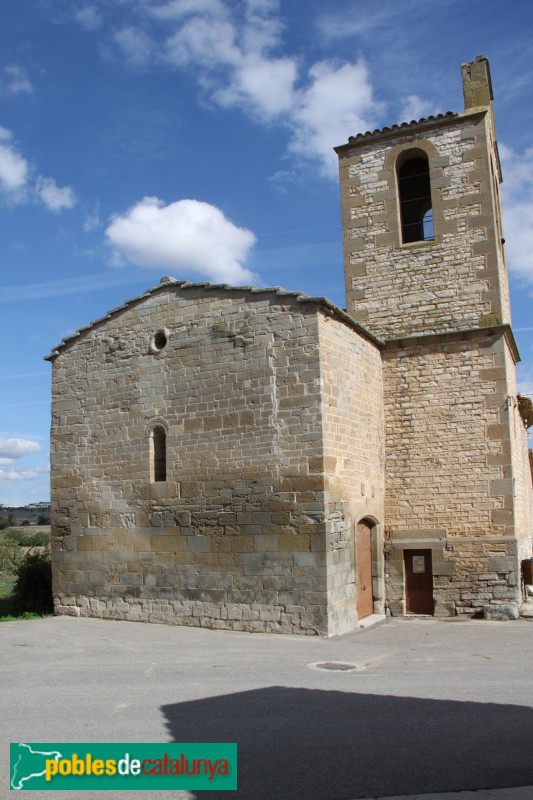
{"points": [[411, 708]]}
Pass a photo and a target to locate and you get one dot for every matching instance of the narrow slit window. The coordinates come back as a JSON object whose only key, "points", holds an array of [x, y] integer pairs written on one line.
{"points": [[415, 200], [158, 466]]}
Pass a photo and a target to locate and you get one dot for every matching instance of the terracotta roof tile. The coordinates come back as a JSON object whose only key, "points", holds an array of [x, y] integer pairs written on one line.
{"points": [[401, 126]]}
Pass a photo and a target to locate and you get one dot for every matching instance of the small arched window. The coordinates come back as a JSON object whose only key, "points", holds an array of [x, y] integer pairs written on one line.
{"points": [[158, 454], [414, 190]]}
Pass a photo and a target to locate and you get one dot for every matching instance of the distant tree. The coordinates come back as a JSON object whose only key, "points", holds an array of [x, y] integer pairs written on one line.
{"points": [[25, 523], [43, 520], [4, 522]]}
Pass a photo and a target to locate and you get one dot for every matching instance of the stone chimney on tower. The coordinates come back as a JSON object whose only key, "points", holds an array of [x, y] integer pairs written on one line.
{"points": [[477, 86]]}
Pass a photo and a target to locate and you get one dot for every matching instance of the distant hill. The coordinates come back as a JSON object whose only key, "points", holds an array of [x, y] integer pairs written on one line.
{"points": [[32, 514]]}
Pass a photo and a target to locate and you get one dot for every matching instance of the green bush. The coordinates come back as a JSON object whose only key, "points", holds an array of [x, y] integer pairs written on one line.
{"points": [[33, 585], [9, 555], [39, 539], [16, 536]]}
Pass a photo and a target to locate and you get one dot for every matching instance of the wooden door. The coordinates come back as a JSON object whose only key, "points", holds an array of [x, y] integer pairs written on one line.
{"points": [[418, 582], [365, 601]]}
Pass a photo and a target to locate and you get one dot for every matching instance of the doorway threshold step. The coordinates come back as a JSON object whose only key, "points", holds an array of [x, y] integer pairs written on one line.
{"points": [[371, 621]]}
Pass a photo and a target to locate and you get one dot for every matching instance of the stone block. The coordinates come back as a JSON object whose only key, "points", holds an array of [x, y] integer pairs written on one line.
{"points": [[502, 517], [304, 559], [163, 490], [266, 543], [251, 559], [501, 487], [192, 424], [504, 593], [444, 609], [212, 423], [417, 534], [502, 563], [84, 543], [443, 567], [500, 611]]}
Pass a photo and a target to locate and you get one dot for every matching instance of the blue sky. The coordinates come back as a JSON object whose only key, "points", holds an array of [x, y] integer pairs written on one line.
{"points": [[140, 138]]}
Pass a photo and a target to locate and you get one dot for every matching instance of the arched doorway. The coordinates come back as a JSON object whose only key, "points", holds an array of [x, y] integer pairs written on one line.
{"points": [[365, 598]]}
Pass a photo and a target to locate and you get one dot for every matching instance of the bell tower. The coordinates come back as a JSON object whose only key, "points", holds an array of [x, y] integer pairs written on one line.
{"points": [[425, 272], [423, 241]]}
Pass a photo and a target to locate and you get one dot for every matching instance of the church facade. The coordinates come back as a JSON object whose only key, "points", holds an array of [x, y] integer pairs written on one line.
{"points": [[260, 460]]}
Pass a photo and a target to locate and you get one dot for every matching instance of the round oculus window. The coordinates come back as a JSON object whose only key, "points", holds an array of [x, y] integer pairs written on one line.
{"points": [[159, 340]]}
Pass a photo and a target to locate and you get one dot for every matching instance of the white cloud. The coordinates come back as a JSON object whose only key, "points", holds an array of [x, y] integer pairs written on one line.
{"points": [[184, 236], [177, 9], [88, 17], [415, 107], [53, 196], [18, 182], [517, 198], [135, 45], [5, 134], [14, 169], [332, 102], [336, 104], [261, 86], [92, 219], [12, 448], [283, 179], [235, 57], [15, 81], [202, 43], [355, 22], [9, 475], [234, 54]]}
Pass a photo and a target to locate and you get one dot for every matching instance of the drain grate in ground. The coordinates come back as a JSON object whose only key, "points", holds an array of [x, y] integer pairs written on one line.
{"points": [[338, 666]]}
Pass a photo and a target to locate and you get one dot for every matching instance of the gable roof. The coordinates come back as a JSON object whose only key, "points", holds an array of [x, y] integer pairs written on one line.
{"points": [[274, 291]]}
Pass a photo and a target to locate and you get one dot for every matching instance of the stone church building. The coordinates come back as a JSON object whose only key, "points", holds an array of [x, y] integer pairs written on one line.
{"points": [[261, 460]]}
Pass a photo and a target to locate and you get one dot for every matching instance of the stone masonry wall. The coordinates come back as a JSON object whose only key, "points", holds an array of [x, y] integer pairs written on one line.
{"points": [[448, 468], [235, 537], [521, 472], [454, 281], [353, 463]]}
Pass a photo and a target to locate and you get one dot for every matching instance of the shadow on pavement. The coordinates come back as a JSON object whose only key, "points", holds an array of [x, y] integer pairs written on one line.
{"points": [[330, 745]]}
